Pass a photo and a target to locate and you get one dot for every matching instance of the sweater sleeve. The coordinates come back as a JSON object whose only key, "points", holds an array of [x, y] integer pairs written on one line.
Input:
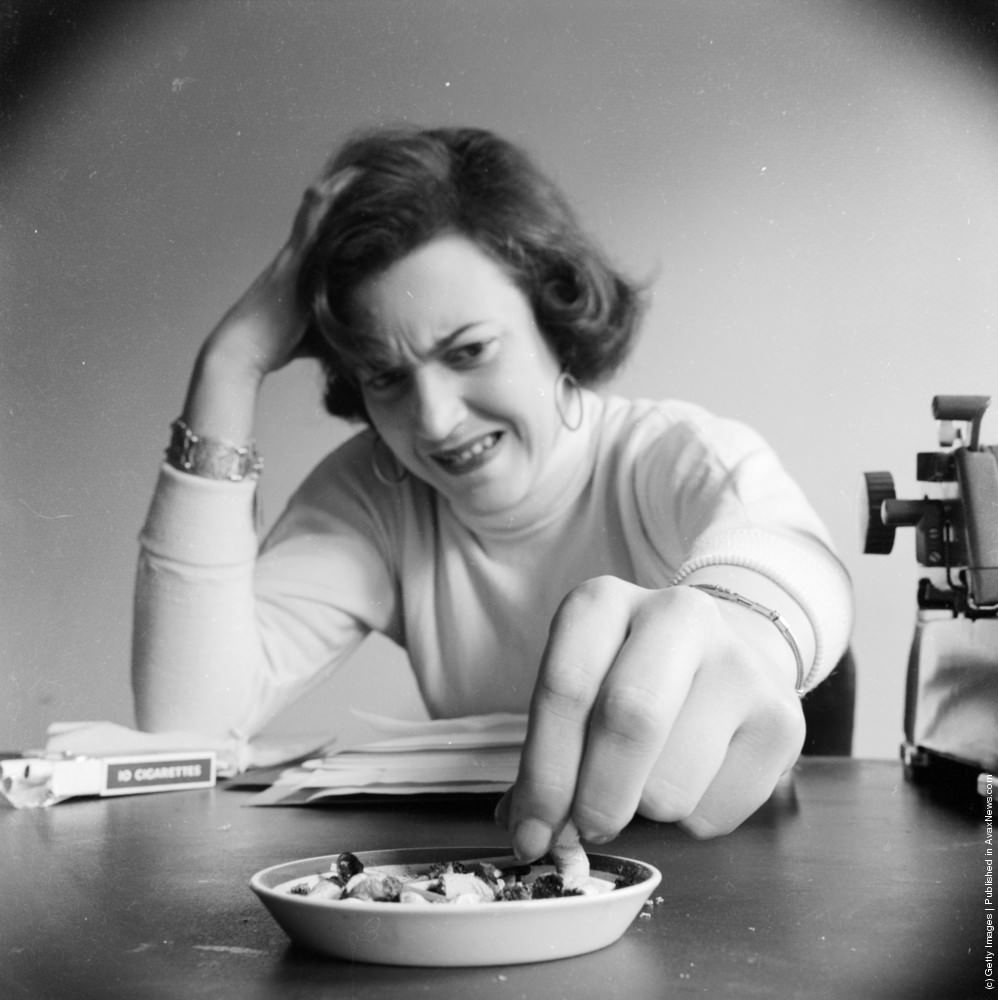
{"points": [[225, 637], [716, 496]]}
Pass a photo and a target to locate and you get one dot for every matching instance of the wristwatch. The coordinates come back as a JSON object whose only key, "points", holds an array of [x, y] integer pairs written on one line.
{"points": [[211, 458]]}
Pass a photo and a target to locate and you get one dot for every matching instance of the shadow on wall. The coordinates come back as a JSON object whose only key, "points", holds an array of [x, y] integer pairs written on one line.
{"points": [[36, 38]]}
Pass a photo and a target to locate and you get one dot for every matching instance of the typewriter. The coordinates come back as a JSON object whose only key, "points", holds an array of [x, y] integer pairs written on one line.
{"points": [[951, 700]]}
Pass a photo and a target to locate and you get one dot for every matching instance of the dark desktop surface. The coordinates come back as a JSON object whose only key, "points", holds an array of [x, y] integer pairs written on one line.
{"points": [[849, 883]]}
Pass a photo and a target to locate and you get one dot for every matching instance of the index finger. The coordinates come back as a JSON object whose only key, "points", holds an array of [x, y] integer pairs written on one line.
{"points": [[574, 664]]}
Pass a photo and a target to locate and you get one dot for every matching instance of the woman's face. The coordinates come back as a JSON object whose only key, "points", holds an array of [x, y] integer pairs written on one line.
{"points": [[462, 384]]}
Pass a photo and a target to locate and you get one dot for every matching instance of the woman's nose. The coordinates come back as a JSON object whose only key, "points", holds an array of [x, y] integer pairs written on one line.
{"points": [[438, 405]]}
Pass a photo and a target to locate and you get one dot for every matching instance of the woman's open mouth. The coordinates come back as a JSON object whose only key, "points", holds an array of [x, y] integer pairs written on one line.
{"points": [[469, 457]]}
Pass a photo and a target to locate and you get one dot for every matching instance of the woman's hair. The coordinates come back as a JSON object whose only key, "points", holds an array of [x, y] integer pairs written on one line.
{"points": [[410, 185]]}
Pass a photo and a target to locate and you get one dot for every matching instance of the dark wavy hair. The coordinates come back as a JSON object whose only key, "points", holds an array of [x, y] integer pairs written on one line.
{"points": [[410, 185]]}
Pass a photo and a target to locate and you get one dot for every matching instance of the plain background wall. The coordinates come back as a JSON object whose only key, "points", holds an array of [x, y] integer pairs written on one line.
{"points": [[812, 183]]}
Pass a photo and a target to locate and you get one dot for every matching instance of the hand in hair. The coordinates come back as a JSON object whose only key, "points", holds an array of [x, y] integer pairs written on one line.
{"points": [[266, 325], [261, 333]]}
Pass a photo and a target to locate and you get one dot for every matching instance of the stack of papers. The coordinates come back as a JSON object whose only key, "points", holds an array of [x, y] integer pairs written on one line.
{"points": [[476, 754]]}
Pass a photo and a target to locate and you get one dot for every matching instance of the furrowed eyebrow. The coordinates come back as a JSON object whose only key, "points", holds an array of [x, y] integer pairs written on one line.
{"points": [[377, 359], [445, 343]]}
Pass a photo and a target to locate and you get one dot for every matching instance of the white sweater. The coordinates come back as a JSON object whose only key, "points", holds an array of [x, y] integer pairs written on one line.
{"points": [[224, 637]]}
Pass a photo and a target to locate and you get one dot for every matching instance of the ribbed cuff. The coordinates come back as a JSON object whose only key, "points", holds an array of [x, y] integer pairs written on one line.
{"points": [[200, 521], [807, 571]]}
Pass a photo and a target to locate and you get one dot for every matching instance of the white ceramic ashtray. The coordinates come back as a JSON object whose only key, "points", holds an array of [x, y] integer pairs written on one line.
{"points": [[444, 917]]}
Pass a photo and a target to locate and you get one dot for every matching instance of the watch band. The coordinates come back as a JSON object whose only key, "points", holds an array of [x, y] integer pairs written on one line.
{"points": [[211, 458]]}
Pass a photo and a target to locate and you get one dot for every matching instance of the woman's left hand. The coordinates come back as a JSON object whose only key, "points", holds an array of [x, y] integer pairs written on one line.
{"points": [[668, 703]]}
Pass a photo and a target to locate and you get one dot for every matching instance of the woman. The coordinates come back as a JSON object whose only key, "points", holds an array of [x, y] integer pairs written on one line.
{"points": [[642, 577]]}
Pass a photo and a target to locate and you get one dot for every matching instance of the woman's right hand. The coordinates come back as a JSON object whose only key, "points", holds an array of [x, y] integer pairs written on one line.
{"points": [[261, 333]]}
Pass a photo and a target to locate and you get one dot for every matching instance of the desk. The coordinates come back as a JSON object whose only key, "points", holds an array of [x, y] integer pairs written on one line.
{"points": [[851, 884]]}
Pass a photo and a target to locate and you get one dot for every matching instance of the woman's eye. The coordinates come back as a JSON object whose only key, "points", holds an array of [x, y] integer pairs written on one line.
{"points": [[465, 354], [383, 381]]}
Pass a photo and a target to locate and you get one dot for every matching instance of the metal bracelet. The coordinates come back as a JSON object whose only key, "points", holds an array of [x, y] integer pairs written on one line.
{"points": [[211, 458], [723, 594]]}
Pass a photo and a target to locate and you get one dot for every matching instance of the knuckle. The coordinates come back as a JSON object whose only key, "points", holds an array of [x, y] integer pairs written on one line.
{"points": [[633, 713], [588, 597], [597, 820], [541, 802], [702, 827], [783, 723], [540, 791], [565, 690], [693, 604], [666, 802]]}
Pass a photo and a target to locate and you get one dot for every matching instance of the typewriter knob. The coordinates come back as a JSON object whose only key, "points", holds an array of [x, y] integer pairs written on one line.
{"points": [[878, 538]]}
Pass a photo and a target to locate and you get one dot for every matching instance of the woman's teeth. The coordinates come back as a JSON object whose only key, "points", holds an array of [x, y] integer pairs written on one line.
{"points": [[455, 459]]}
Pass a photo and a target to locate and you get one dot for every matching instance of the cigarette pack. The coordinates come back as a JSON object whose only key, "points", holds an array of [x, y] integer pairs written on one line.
{"points": [[44, 779]]}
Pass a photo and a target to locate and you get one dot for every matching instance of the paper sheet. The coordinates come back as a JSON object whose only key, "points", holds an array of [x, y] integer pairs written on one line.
{"points": [[468, 755]]}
